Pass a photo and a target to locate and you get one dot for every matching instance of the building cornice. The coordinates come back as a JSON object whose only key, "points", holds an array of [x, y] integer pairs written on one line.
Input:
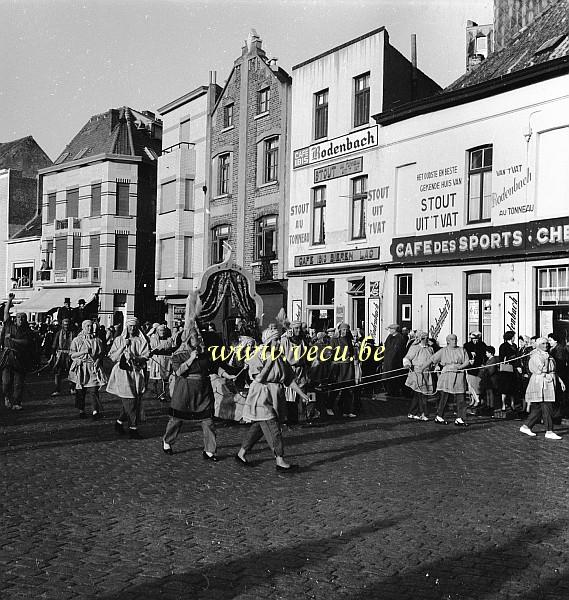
{"points": [[74, 164], [486, 89], [200, 91]]}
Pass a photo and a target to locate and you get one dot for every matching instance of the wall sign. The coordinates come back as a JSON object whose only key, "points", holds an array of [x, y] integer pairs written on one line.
{"points": [[440, 316], [340, 314], [340, 256], [296, 310], [337, 147], [374, 289], [512, 313], [373, 319], [524, 238], [60, 276], [341, 169]]}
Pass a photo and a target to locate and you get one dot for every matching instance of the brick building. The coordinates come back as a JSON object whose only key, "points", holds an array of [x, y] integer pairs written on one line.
{"points": [[99, 216], [19, 163], [247, 184]]}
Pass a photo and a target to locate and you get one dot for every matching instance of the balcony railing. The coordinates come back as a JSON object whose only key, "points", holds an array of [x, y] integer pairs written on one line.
{"points": [[86, 274], [43, 275], [68, 223]]}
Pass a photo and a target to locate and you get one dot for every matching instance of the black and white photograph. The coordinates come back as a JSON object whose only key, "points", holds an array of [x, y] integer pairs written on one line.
{"points": [[284, 299]]}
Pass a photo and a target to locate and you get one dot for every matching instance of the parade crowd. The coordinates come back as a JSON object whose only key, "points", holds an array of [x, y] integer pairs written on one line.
{"points": [[312, 376]]}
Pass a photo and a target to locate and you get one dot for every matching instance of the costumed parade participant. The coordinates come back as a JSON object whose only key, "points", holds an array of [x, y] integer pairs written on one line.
{"points": [[86, 370], [61, 356], [129, 351], [342, 373], [161, 347], [421, 383], [294, 347]]}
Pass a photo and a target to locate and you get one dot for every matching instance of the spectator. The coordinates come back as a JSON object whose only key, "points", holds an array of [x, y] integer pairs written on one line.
{"points": [[476, 349], [488, 377], [393, 360], [507, 383]]}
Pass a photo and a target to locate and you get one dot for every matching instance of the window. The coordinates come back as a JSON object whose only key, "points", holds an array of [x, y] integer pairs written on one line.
{"points": [[553, 286], [223, 175], [479, 303], [23, 276], [479, 184], [76, 256], [404, 300], [359, 197], [167, 257], [318, 215], [320, 305], [123, 191], [51, 208], [72, 202], [187, 256], [121, 252], [95, 250], [263, 99], [61, 253], [168, 197], [228, 115], [48, 256], [188, 194], [266, 237], [271, 160], [95, 199], [321, 115], [219, 235], [185, 131], [361, 100]]}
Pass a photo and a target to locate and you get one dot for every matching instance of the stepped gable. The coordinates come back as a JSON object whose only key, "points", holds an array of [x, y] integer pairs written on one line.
{"points": [[25, 155], [544, 39], [121, 131]]}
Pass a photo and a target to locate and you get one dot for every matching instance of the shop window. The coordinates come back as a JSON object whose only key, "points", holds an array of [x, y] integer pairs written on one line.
{"points": [[405, 300], [270, 160], [228, 115], [359, 197], [219, 235], [72, 203], [22, 276], [361, 100], [553, 301], [263, 100], [356, 292], [96, 200], [479, 184], [320, 305], [479, 304], [266, 237], [321, 114], [318, 215]]}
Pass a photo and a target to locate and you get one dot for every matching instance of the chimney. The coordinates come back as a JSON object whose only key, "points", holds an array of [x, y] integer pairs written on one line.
{"points": [[413, 66], [510, 16]]}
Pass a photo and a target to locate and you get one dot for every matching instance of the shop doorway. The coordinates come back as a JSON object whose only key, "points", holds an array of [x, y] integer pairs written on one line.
{"points": [[405, 301], [320, 305]]}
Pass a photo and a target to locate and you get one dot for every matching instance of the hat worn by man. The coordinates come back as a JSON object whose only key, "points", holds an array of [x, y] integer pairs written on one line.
{"points": [[475, 334], [393, 326]]}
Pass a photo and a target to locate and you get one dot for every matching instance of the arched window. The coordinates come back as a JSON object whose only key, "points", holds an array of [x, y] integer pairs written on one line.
{"points": [[219, 234], [266, 237]]}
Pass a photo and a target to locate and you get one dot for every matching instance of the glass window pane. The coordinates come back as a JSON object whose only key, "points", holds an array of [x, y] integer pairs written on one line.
{"points": [[485, 283], [476, 159], [488, 156]]}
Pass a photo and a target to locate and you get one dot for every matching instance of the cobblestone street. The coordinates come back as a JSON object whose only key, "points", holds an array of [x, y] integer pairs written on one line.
{"points": [[381, 508]]}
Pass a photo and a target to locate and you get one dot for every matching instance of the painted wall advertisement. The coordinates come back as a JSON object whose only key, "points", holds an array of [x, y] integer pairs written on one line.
{"points": [[511, 313], [373, 319], [440, 316]]}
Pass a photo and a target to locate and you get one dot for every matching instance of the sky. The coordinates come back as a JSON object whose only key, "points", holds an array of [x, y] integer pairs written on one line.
{"points": [[66, 60]]}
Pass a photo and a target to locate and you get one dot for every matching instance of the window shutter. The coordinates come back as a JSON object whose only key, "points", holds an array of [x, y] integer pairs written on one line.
{"points": [[76, 259], [96, 200], [95, 251], [73, 203], [121, 252], [51, 208], [61, 253], [122, 199]]}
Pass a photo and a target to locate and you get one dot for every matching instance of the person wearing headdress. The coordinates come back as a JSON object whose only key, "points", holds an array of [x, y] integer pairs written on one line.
{"points": [[61, 354], [295, 348], [129, 352], [161, 348], [192, 396], [86, 372], [319, 373], [263, 407], [394, 351], [342, 373], [452, 380], [421, 383]]}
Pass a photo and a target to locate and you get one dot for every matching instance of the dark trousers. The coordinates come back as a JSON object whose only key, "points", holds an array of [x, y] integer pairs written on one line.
{"points": [[81, 394], [539, 411], [460, 400], [13, 385], [272, 432], [130, 412], [174, 427], [418, 404]]}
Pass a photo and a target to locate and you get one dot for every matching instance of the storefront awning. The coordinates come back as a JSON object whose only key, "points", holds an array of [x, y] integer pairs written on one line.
{"points": [[48, 298]]}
